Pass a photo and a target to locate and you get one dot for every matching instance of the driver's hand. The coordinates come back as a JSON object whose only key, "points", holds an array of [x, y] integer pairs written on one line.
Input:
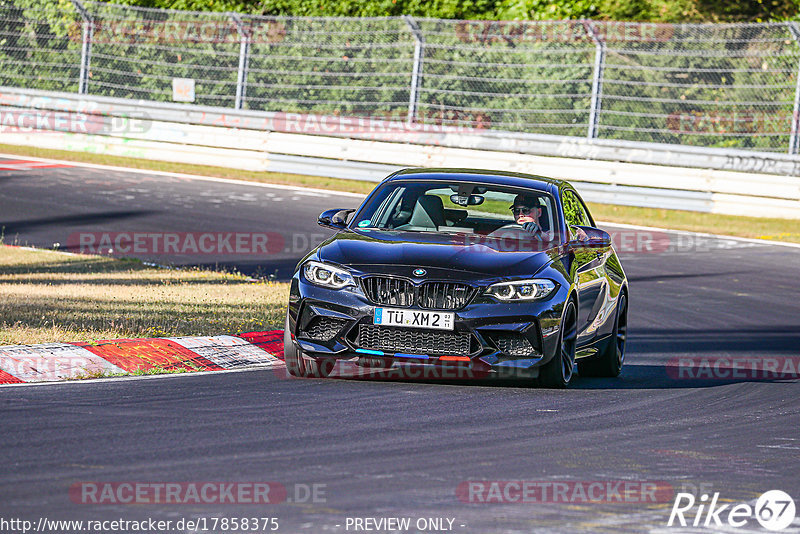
{"points": [[531, 227]]}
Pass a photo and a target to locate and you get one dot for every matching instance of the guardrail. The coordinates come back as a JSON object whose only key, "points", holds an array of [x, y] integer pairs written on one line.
{"points": [[402, 131], [352, 148]]}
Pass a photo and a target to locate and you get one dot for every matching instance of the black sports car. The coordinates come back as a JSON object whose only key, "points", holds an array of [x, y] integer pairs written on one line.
{"points": [[500, 272]]}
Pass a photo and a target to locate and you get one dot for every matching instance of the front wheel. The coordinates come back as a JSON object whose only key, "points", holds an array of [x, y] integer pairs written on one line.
{"points": [[609, 363], [298, 364], [558, 371]]}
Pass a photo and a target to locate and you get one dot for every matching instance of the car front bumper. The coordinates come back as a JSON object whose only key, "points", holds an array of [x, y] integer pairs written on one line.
{"points": [[501, 337]]}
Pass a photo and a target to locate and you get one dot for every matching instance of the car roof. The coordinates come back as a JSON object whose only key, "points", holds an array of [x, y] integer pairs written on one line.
{"points": [[503, 178]]}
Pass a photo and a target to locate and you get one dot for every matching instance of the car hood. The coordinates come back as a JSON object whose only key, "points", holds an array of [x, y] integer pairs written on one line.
{"points": [[461, 255]]}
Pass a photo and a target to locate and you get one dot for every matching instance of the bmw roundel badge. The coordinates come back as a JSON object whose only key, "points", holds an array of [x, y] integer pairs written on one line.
{"points": [[420, 272]]}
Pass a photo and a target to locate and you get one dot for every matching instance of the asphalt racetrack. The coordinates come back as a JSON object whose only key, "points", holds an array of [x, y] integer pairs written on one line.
{"points": [[410, 449]]}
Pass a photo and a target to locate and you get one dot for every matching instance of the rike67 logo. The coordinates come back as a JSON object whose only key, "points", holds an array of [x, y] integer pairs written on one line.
{"points": [[774, 510]]}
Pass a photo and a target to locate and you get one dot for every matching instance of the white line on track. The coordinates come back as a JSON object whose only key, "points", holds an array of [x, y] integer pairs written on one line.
{"points": [[299, 189], [702, 234]]}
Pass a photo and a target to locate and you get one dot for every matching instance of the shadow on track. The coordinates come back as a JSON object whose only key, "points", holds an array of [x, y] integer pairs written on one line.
{"points": [[660, 277], [735, 342], [633, 377], [12, 227]]}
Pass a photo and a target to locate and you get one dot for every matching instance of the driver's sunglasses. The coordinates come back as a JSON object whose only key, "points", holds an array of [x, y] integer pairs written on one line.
{"points": [[516, 210]]}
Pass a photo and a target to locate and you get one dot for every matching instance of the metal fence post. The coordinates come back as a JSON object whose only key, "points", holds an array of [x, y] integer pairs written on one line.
{"points": [[244, 60], [86, 47], [794, 29], [597, 80], [416, 74]]}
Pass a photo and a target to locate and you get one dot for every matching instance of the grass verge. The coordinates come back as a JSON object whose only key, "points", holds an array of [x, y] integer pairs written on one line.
{"points": [[47, 296], [157, 370], [754, 227]]}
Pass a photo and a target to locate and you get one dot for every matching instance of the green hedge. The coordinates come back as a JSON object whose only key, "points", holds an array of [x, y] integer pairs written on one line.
{"points": [[677, 11]]}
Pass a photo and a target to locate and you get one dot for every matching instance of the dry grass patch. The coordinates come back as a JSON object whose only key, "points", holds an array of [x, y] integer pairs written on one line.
{"points": [[47, 296]]}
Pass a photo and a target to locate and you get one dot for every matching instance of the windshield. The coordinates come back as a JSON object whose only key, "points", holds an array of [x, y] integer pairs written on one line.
{"points": [[461, 208]]}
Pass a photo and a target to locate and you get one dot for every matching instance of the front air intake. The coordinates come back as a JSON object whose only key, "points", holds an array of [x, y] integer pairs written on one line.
{"points": [[391, 291], [511, 343]]}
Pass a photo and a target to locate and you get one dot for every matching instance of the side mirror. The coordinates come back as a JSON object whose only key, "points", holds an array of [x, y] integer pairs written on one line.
{"points": [[589, 237], [335, 218]]}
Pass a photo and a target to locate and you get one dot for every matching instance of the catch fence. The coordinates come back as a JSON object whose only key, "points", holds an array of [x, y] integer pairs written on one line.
{"points": [[704, 85]]}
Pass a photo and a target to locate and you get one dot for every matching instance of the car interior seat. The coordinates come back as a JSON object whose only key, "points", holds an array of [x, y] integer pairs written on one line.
{"points": [[544, 218], [428, 212]]}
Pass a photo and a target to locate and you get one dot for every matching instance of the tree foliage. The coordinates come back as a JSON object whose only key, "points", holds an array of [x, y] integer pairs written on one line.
{"points": [[631, 10]]}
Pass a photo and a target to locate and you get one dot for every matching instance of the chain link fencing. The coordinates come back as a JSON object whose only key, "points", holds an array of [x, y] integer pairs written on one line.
{"points": [[707, 85]]}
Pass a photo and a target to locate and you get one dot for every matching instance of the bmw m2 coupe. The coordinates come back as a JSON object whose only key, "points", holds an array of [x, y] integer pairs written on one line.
{"points": [[500, 272]]}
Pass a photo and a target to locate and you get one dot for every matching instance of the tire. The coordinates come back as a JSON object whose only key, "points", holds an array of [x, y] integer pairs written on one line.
{"points": [[609, 363], [298, 364], [559, 370], [292, 355]]}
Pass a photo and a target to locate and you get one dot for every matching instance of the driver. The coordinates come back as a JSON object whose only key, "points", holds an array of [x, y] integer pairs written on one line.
{"points": [[526, 210]]}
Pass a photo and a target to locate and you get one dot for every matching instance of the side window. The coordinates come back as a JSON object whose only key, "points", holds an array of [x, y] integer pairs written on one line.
{"points": [[587, 221], [573, 211]]}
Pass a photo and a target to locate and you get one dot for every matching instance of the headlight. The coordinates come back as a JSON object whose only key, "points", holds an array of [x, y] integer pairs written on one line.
{"points": [[325, 275], [521, 289]]}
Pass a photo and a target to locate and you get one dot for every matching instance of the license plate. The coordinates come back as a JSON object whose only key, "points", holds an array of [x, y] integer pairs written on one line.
{"points": [[414, 318]]}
